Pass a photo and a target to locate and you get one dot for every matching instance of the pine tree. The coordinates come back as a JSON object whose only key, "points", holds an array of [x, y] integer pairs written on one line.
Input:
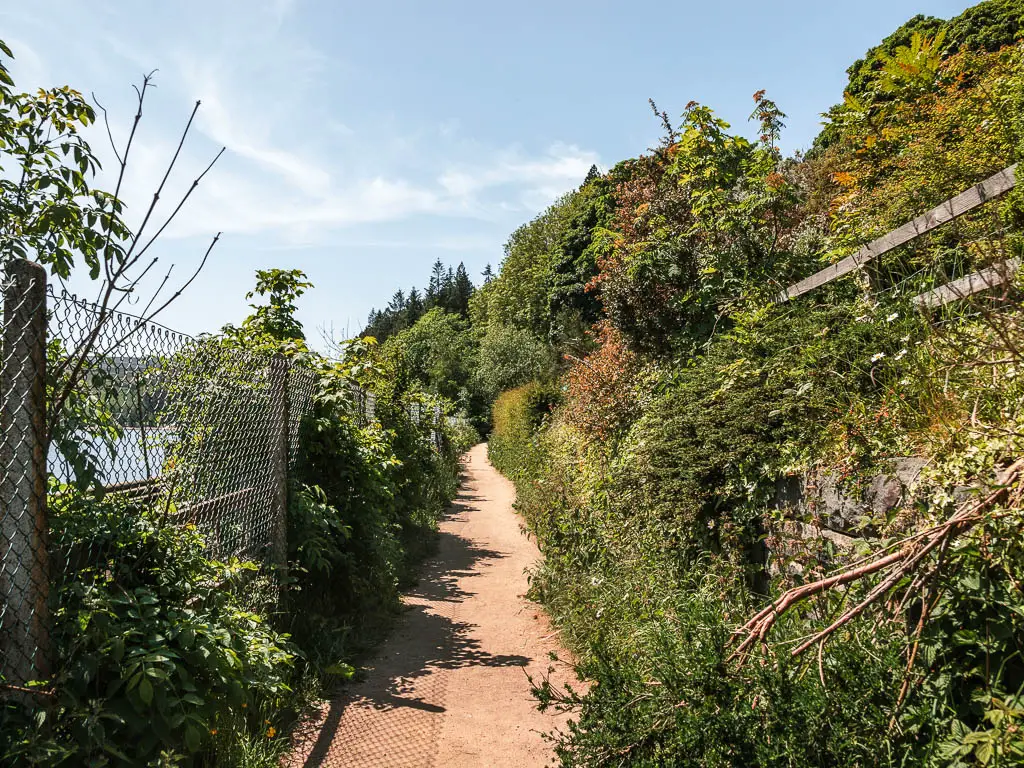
{"points": [[413, 307], [446, 294], [434, 286], [397, 302], [372, 324], [462, 290], [488, 275]]}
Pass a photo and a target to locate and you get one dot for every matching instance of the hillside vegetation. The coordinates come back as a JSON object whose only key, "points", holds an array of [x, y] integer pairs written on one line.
{"points": [[651, 397]]}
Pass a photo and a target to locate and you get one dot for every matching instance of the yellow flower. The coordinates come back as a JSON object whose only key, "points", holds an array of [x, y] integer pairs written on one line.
{"points": [[271, 732], [213, 731]]}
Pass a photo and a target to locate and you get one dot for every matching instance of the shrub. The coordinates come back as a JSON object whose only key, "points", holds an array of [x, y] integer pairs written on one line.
{"points": [[515, 416], [155, 648]]}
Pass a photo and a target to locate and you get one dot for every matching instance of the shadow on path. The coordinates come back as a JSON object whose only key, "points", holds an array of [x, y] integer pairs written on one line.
{"points": [[428, 637]]}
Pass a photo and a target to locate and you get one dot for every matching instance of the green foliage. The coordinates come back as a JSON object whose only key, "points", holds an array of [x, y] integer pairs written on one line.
{"points": [[864, 72], [166, 657], [86, 411], [912, 69], [49, 212], [277, 318], [437, 354], [705, 224], [987, 26], [653, 485], [660, 691], [156, 650], [509, 357], [875, 80], [573, 303], [517, 415], [519, 295]]}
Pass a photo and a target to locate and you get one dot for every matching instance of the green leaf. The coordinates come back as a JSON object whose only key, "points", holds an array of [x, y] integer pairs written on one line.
{"points": [[146, 691], [193, 738]]}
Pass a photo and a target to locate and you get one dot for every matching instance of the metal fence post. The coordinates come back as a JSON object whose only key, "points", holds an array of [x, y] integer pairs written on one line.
{"points": [[280, 420], [24, 561]]}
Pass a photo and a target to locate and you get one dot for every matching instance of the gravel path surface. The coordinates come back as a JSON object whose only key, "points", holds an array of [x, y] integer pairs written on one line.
{"points": [[449, 687]]}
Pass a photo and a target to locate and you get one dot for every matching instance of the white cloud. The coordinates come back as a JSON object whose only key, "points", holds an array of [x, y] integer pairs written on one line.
{"points": [[28, 69], [297, 169], [248, 136], [564, 166]]}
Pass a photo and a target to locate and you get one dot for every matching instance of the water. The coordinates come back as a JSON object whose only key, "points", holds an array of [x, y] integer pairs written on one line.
{"points": [[129, 460]]}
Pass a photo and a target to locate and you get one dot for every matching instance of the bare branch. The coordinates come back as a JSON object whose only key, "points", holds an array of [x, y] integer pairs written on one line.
{"points": [[899, 564]]}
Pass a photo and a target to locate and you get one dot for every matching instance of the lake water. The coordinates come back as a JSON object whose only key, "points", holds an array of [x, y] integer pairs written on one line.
{"points": [[124, 462]]}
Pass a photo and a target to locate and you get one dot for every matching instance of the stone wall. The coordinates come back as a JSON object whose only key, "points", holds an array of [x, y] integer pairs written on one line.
{"points": [[823, 518]]}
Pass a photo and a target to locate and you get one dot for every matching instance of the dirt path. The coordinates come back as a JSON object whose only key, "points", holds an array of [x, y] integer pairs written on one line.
{"points": [[449, 687]]}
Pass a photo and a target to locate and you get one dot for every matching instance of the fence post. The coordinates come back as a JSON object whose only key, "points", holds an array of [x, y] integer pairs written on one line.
{"points": [[24, 560], [281, 422]]}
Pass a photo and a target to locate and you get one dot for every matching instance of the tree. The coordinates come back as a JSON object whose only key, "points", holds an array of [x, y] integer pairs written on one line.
{"points": [[276, 319], [518, 295], [413, 306], [573, 305], [461, 292], [509, 357], [446, 293], [434, 286], [487, 274], [986, 26], [437, 352], [51, 213]]}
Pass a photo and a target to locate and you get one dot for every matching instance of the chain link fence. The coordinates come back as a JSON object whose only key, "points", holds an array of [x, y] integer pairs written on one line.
{"points": [[194, 428]]}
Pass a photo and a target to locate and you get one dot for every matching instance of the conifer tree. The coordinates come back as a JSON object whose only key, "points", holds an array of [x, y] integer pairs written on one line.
{"points": [[462, 290], [413, 306], [433, 297]]}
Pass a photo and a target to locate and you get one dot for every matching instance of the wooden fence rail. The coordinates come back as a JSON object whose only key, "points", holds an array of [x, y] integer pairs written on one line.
{"points": [[979, 194]]}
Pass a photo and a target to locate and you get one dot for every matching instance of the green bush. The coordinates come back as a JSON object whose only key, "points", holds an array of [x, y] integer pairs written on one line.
{"points": [[516, 415], [363, 514], [156, 651]]}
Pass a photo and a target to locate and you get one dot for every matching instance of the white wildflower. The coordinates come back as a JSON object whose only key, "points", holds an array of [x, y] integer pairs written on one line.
{"points": [[892, 317], [877, 356]]}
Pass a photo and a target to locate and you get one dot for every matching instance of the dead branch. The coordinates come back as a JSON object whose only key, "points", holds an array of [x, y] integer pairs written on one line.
{"points": [[118, 271], [897, 566]]}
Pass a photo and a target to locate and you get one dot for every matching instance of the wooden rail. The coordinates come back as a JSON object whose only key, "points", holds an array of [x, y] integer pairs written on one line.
{"points": [[966, 286], [990, 188]]}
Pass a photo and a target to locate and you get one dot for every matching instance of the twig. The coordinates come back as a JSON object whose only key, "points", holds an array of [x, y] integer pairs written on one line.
{"points": [[913, 550]]}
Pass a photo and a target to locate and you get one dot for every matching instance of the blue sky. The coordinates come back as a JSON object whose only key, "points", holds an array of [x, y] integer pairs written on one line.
{"points": [[365, 140]]}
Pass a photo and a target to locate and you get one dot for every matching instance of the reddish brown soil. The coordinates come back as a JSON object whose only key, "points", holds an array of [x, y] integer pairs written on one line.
{"points": [[449, 688]]}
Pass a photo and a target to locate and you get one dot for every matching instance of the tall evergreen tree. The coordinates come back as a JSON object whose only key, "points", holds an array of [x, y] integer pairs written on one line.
{"points": [[413, 306], [398, 302], [434, 287], [462, 290], [488, 274], [445, 296]]}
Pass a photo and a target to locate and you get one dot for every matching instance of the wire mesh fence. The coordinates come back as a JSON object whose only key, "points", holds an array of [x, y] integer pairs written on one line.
{"points": [[191, 426], [196, 431]]}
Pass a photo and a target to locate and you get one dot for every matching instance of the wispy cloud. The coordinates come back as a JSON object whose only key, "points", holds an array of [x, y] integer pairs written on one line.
{"points": [[298, 169], [563, 164]]}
